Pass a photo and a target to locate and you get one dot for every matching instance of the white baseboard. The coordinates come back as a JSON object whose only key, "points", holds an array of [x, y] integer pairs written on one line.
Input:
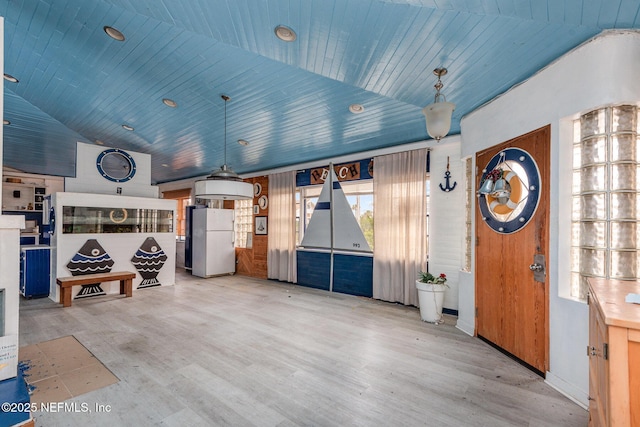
{"points": [[570, 391]]}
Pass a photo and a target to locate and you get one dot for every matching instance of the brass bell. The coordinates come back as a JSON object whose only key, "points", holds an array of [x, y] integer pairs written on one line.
{"points": [[501, 191], [486, 187]]}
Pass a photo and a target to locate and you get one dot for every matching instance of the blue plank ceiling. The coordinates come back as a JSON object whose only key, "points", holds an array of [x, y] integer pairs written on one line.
{"points": [[289, 100]]}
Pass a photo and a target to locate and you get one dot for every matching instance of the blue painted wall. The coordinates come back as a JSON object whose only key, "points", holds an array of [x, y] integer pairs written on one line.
{"points": [[352, 274]]}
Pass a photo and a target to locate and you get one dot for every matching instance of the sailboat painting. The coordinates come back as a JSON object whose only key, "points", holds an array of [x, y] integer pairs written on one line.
{"points": [[347, 235]]}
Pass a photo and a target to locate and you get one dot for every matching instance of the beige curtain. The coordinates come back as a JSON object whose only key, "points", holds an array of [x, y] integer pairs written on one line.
{"points": [[281, 253], [399, 191]]}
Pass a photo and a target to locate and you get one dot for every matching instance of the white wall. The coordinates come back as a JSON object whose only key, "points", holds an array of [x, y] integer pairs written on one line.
{"points": [[446, 217], [89, 180], [466, 301], [602, 71]]}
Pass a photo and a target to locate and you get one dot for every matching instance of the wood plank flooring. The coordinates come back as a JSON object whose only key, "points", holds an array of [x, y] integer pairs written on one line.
{"points": [[238, 351]]}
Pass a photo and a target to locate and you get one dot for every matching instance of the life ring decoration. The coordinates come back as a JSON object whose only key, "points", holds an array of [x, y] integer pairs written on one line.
{"points": [[118, 216], [510, 212]]}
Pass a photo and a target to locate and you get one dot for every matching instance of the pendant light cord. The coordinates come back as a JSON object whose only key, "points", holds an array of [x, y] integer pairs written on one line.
{"points": [[225, 98]]}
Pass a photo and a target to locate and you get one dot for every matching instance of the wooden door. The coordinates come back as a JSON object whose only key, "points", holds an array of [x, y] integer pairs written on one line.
{"points": [[512, 307]]}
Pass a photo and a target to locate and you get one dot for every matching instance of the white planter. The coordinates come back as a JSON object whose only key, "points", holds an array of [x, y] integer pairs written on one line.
{"points": [[430, 298]]}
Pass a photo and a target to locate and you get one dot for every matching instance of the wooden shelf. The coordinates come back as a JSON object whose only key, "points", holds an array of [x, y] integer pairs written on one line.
{"points": [[19, 184]]}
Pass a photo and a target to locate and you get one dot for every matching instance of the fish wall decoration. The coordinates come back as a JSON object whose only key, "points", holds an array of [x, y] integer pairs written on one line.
{"points": [[90, 258], [148, 260]]}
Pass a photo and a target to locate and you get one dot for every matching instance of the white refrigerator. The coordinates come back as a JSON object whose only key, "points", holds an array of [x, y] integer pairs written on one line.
{"points": [[213, 242]]}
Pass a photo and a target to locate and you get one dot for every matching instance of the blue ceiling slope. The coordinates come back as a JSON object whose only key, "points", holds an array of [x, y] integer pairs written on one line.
{"points": [[289, 100], [35, 142]]}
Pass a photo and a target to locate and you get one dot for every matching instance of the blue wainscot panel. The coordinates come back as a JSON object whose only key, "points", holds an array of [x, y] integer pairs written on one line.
{"points": [[313, 269], [352, 274]]}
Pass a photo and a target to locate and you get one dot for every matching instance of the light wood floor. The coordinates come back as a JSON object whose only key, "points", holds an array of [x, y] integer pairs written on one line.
{"points": [[245, 352]]}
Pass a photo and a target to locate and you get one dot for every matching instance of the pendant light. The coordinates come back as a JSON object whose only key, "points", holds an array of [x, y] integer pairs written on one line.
{"points": [[224, 183], [438, 114]]}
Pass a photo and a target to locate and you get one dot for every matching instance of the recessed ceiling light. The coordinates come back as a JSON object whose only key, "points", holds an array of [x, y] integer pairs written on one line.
{"points": [[99, 142], [6, 122], [164, 165], [285, 33], [10, 78], [169, 102], [356, 108], [243, 142], [127, 127], [113, 33]]}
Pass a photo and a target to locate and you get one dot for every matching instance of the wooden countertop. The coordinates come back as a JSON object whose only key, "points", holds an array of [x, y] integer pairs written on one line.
{"points": [[609, 294]]}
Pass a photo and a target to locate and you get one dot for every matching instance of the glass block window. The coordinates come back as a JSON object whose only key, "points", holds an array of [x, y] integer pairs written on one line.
{"points": [[468, 205], [606, 197], [243, 221]]}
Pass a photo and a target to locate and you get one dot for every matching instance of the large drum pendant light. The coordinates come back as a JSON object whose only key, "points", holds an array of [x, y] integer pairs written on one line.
{"points": [[224, 183]]}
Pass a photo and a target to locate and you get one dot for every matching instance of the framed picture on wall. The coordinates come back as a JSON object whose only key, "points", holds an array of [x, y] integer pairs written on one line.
{"points": [[261, 225]]}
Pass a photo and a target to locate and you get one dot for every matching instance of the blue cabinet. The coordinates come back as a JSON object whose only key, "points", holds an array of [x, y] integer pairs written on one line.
{"points": [[35, 271]]}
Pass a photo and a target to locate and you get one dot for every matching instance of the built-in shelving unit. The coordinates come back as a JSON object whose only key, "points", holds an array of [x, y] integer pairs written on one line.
{"points": [[26, 192]]}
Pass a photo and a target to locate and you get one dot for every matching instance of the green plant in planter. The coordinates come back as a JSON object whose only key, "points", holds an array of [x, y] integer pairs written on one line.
{"points": [[426, 277]]}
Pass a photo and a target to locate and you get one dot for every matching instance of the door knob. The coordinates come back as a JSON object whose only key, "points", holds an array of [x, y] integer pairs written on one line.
{"points": [[539, 268], [536, 267]]}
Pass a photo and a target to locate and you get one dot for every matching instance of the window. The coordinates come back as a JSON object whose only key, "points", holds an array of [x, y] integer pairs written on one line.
{"points": [[359, 195], [184, 199], [243, 221], [605, 197], [183, 202]]}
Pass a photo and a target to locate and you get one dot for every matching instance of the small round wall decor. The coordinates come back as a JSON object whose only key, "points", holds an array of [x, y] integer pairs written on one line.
{"points": [[116, 165], [510, 190], [263, 202]]}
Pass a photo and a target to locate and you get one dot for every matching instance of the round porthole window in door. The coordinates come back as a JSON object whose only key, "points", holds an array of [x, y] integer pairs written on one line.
{"points": [[509, 191], [116, 165]]}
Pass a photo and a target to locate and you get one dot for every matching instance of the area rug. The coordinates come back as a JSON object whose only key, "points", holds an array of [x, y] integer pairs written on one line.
{"points": [[62, 368]]}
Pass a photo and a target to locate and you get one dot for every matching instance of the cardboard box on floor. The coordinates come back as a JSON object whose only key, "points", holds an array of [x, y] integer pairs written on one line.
{"points": [[63, 368]]}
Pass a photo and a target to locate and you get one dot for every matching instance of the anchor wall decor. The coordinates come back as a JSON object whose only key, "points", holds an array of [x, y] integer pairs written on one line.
{"points": [[447, 176]]}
